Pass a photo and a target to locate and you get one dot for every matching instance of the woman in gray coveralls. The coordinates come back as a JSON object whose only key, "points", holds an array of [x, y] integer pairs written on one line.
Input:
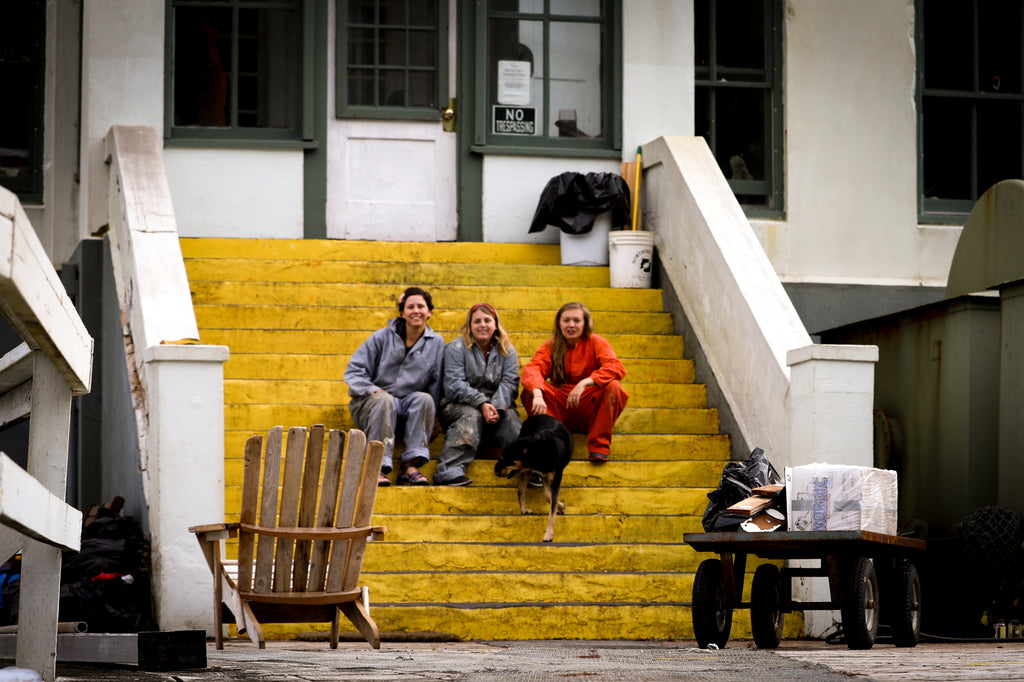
{"points": [[396, 373], [481, 382]]}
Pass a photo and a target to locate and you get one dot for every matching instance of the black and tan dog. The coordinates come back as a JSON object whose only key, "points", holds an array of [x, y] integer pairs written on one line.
{"points": [[544, 446]]}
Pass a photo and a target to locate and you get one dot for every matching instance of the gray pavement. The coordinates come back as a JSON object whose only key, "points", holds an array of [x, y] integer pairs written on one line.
{"points": [[595, 661]]}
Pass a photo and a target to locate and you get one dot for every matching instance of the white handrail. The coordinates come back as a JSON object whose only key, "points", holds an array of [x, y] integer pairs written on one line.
{"points": [[38, 379]]}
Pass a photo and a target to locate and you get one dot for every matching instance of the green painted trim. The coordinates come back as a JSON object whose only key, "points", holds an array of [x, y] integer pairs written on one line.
{"points": [[231, 143], [314, 159], [470, 164], [548, 151]]}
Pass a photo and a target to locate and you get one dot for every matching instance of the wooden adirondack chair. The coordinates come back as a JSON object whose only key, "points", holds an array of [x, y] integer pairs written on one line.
{"points": [[300, 561]]}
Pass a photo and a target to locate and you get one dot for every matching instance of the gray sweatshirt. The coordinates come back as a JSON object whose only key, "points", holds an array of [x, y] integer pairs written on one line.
{"points": [[472, 379], [381, 362]]}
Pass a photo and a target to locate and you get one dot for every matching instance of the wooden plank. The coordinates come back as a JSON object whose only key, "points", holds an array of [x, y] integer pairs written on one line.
{"points": [[178, 650], [32, 510], [307, 505], [327, 508], [48, 463], [250, 503], [33, 294], [11, 542], [363, 513], [289, 509], [352, 476], [268, 510], [15, 367], [16, 404]]}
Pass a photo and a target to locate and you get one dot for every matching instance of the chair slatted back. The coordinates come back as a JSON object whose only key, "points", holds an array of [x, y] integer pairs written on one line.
{"points": [[358, 494], [293, 494]]}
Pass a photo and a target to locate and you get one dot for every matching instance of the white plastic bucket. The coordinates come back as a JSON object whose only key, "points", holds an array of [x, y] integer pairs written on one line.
{"points": [[590, 248], [631, 257]]}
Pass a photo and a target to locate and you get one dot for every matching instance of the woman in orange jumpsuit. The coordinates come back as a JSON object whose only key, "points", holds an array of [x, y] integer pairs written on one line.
{"points": [[574, 377]]}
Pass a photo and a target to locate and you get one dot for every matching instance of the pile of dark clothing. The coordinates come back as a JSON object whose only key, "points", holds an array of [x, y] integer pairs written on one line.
{"points": [[105, 585]]}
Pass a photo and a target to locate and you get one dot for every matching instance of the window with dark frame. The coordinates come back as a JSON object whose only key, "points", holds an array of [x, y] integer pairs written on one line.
{"points": [[738, 96], [237, 69], [392, 59], [22, 73], [550, 69], [970, 102]]}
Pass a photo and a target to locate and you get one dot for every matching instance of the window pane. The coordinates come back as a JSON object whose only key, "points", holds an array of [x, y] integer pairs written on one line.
{"points": [[582, 8], [999, 143], [269, 92], [391, 87], [999, 52], [392, 47], [202, 66], [360, 46], [423, 13], [949, 51], [360, 87], [422, 48], [521, 42], [701, 34], [392, 12], [362, 11], [740, 40], [947, 148], [575, 86], [422, 90]]}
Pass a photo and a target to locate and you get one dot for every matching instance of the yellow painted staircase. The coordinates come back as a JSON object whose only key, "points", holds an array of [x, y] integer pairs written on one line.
{"points": [[463, 561]]}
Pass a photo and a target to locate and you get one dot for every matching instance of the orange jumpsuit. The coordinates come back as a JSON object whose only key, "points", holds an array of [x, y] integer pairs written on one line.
{"points": [[599, 406]]}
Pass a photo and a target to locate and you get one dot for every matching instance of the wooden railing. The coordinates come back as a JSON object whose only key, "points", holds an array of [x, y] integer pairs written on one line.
{"points": [[38, 380]]}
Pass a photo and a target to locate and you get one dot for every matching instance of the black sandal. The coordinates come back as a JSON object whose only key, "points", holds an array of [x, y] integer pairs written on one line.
{"points": [[413, 478]]}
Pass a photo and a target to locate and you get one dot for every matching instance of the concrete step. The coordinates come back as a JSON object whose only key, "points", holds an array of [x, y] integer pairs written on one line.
{"points": [[260, 418], [452, 297], [316, 341], [309, 366], [444, 321], [292, 392], [397, 275], [384, 252]]}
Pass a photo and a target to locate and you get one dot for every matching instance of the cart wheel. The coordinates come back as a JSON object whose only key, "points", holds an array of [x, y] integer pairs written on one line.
{"points": [[906, 622], [859, 603], [766, 607], [712, 616]]}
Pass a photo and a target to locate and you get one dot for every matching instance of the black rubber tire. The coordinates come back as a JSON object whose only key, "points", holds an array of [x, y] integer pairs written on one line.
{"points": [[766, 614], [712, 617], [906, 609], [859, 603]]}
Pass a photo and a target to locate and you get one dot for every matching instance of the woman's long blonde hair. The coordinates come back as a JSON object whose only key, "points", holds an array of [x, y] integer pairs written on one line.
{"points": [[558, 344], [500, 337]]}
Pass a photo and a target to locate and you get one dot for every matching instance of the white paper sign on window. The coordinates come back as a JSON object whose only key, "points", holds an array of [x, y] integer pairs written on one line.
{"points": [[513, 82]]}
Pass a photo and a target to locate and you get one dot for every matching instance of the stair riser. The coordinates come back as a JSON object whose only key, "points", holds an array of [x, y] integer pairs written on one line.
{"points": [[445, 321], [260, 418], [397, 275], [322, 342], [305, 367], [288, 392], [451, 297], [384, 252], [625, 447]]}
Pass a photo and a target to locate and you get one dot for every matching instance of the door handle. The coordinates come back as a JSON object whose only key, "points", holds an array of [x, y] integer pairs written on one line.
{"points": [[448, 117]]}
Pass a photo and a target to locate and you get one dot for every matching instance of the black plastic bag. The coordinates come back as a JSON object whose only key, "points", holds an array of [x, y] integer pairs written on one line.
{"points": [[738, 479], [571, 201]]}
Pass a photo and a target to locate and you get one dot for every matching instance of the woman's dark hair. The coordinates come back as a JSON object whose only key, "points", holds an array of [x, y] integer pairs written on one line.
{"points": [[415, 291]]}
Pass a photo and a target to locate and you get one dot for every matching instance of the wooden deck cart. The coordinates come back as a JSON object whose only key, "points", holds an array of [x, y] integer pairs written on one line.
{"points": [[871, 577]]}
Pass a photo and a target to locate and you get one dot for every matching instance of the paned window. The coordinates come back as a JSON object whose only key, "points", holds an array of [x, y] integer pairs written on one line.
{"points": [[738, 96], [552, 73], [970, 102], [22, 71], [392, 59], [239, 69]]}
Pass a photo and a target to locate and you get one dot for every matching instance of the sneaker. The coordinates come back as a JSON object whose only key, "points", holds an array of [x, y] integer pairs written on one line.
{"points": [[598, 457], [457, 481]]}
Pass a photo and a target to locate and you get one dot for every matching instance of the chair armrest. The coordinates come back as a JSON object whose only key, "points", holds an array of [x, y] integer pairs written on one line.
{"points": [[215, 531], [377, 532]]}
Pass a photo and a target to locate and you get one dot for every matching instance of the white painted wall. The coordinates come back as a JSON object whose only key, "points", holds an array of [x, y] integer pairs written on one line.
{"points": [[236, 192], [851, 150]]}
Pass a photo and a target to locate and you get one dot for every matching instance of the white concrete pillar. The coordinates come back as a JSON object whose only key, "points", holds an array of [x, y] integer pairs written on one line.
{"points": [[831, 396], [185, 393]]}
